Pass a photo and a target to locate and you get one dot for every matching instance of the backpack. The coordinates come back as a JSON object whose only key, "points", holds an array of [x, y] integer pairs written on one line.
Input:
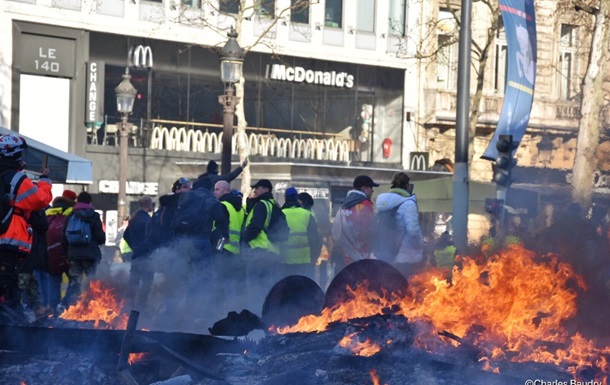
{"points": [[6, 209], [58, 263], [193, 212], [78, 232], [387, 235], [278, 231], [158, 229]]}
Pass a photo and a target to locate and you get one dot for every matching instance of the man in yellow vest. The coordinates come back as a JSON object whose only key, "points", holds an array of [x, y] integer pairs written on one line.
{"points": [[228, 260], [260, 254], [300, 252]]}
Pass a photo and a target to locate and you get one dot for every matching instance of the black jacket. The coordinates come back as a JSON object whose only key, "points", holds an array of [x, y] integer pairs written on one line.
{"points": [[135, 233], [258, 212], [92, 250], [37, 259], [214, 177]]}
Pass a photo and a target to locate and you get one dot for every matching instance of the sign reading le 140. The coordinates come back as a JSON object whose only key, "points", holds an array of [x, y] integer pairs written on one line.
{"points": [[45, 55]]}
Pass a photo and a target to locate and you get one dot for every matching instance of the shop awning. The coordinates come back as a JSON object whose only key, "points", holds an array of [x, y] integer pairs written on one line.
{"points": [[65, 167]]}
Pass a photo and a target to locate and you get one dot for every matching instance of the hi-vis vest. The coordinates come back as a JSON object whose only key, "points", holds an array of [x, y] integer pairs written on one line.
{"points": [[262, 241], [236, 220], [296, 249]]}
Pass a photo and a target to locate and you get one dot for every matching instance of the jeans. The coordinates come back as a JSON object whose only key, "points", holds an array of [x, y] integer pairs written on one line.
{"points": [[50, 288]]}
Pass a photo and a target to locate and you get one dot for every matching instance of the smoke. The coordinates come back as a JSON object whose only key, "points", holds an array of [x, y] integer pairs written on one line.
{"points": [[190, 291]]}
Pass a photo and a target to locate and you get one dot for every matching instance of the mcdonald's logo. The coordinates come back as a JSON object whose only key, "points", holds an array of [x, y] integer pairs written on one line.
{"points": [[141, 57], [419, 161]]}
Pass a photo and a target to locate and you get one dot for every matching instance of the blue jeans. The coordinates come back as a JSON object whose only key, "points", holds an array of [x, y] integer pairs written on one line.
{"points": [[50, 288]]}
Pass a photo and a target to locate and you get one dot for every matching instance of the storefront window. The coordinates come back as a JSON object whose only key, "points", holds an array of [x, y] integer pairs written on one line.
{"points": [[333, 13], [299, 11]]}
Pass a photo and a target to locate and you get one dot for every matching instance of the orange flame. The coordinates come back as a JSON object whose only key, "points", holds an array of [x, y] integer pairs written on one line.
{"points": [[98, 304], [364, 349], [375, 377], [509, 307], [135, 357]]}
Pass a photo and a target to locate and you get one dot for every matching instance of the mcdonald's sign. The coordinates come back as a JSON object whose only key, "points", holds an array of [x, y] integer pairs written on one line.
{"points": [[418, 161], [141, 57]]}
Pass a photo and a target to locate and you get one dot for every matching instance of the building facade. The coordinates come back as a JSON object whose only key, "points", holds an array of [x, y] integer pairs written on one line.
{"points": [[332, 89]]}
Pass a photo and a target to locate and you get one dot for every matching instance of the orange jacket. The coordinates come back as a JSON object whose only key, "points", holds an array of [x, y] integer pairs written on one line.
{"points": [[26, 197]]}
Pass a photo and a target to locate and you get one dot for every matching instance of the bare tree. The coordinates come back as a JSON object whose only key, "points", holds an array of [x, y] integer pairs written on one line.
{"points": [[591, 104]]}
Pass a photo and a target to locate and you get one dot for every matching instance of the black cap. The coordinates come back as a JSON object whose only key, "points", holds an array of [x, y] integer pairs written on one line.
{"points": [[364, 180], [263, 183], [212, 167]]}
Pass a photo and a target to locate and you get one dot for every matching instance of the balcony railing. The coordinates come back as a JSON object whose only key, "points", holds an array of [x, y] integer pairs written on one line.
{"points": [[207, 138]]}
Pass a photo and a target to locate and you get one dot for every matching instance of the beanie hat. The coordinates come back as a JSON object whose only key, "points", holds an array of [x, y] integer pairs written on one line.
{"points": [[69, 194], [212, 167], [291, 193]]}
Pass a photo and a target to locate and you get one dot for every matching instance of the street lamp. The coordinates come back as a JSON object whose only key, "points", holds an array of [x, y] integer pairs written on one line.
{"points": [[231, 61], [125, 96]]}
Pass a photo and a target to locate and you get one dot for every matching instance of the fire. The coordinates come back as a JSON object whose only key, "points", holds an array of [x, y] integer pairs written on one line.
{"points": [[511, 306], [98, 304], [375, 377], [135, 357], [365, 349]]}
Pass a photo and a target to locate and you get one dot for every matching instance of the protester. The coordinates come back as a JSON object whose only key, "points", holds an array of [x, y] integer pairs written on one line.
{"points": [[306, 201], [36, 260], [24, 197], [300, 252], [50, 279], [351, 229], [229, 264], [212, 176], [234, 212], [261, 254], [141, 273], [159, 232], [83, 257], [410, 256]]}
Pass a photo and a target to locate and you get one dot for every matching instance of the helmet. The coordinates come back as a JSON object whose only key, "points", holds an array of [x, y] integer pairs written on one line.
{"points": [[12, 146]]}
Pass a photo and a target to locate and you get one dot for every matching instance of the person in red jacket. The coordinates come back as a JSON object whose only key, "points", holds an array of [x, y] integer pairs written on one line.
{"points": [[24, 197]]}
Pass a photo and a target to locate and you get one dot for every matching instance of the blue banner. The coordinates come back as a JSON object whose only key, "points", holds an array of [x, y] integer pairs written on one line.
{"points": [[520, 26]]}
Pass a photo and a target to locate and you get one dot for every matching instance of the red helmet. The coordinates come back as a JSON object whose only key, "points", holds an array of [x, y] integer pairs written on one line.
{"points": [[12, 146]]}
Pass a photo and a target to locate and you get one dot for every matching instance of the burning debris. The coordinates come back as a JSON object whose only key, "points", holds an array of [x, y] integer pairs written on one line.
{"points": [[504, 320]]}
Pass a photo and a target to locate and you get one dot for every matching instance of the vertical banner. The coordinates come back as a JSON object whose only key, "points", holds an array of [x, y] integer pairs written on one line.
{"points": [[520, 26], [95, 93]]}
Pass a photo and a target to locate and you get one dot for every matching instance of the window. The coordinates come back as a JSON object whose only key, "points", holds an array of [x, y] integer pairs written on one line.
{"points": [[299, 11], [565, 66], [447, 55], [192, 3], [229, 6], [333, 13], [500, 60], [398, 16], [365, 17], [267, 8]]}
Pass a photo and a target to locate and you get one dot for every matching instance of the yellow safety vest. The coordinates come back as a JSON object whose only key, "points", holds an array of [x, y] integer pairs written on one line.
{"points": [[296, 249], [262, 241], [236, 220]]}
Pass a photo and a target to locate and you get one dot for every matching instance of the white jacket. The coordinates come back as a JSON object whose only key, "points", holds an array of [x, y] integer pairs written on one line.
{"points": [[407, 216]]}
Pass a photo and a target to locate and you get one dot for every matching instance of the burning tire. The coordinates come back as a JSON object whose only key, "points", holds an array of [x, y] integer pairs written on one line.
{"points": [[290, 299], [380, 275]]}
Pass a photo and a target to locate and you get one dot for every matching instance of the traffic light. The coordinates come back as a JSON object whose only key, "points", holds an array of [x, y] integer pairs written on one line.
{"points": [[502, 169]]}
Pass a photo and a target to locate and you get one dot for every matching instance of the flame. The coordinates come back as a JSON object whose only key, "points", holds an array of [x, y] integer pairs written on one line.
{"points": [[135, 357], [364, 349], [511, 306], [98, 304], [375, 377]]}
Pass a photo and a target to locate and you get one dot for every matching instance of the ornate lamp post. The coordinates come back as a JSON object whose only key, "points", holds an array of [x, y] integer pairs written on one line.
{"points": [[231, 61], [125, 96]]}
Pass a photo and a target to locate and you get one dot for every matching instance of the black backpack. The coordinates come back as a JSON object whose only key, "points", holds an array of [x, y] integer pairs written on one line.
{"points": [[158, 231], [277, 230], [6, 209], [192, 214], [387, 235]]}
